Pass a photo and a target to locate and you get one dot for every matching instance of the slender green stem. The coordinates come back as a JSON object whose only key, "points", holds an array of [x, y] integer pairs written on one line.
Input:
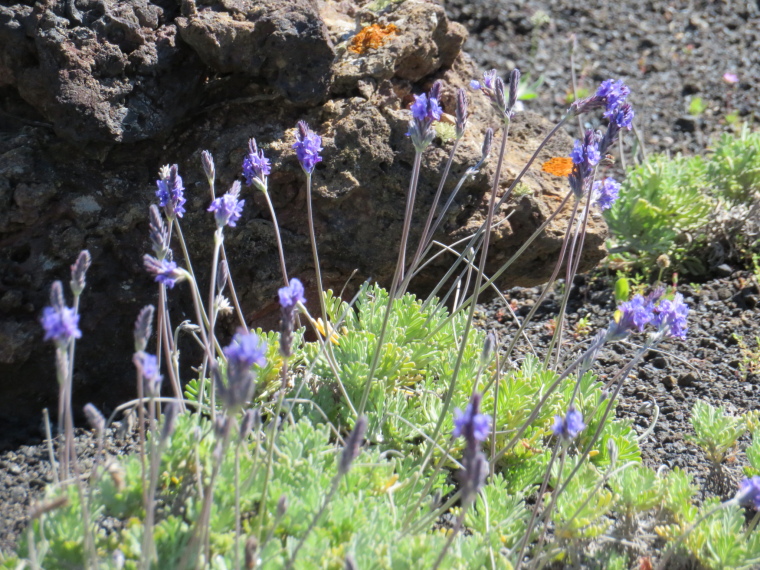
{"points": [[408, 214], [478, 279], [573, 261], [315, 254], [394, 284], [270, 451], [237, 505], [425, 236], [280, 249]]}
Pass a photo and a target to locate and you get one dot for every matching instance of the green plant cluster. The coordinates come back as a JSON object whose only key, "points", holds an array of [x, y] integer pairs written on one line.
{"points": [[668, 205], [390, 506]]}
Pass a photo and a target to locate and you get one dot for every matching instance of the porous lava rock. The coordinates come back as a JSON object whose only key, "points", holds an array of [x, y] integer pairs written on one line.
{"points": [[98, 95]]}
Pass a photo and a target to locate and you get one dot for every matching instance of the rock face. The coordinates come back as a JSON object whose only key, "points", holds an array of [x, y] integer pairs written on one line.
{"points": [[97, 95]]}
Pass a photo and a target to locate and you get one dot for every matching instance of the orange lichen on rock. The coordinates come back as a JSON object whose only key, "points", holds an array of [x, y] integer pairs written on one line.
{"points": [[558, 166], [371, 37]]}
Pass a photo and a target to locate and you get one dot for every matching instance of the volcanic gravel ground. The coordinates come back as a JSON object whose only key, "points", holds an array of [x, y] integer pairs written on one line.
{"points": [[667, 52], [707, 365]]}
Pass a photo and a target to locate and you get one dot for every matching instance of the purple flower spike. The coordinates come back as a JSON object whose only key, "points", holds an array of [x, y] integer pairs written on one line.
{"points": [[749, 493], [171, 192], [246, 350], [307, 147], [585, 156], [633, 315], [606, 193], [611, 94], [61, 325], [424, 109], [570, 426], [147, 364], [228, 209], [471, 424], [256, 167], [291, 295], [165, 271], [671, 316], [492, 87], [623, 116], [614, 94]]}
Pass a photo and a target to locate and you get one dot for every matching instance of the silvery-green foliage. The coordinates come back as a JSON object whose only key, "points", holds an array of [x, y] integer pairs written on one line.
{"points": [[715, 431]]}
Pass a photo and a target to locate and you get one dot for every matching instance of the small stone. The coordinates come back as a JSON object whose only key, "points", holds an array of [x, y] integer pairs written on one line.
{"points": [[660, 362], [669, 382], [724, 270], [687, 380]]}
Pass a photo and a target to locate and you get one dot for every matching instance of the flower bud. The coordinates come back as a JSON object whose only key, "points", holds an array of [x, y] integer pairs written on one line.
{"points": [[353, 445], [487, 143], [170, 420], [95, 418], [78, 272], [56, 296], [461, 113], [514, 81], [143, 328], [207, 160]]}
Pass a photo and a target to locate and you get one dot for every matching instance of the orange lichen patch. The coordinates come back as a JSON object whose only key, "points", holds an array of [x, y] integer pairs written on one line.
{"points": [[371, 37], [558, 166]]}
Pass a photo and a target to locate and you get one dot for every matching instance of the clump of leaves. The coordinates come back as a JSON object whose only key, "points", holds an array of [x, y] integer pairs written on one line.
{"points": [[734, 168], [715, 431], [662, 204]]}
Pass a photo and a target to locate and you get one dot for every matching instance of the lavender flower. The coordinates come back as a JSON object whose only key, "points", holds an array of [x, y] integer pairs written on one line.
{"points": [[159, 234], [246, 349], [94, 418], [614, 94], [170, 420], [61, 325], [488, 81], [79, 271], [165, 271], [256, 167], [749, 493], [353, 445], [622, 119], [610, 95], [471, 424], [461, 113], [425, 111], [147, 364], [606, 193], [585, 156], [143, 327], [207, 161], [290, 296], [228, 209], [492, 87], [670, 316], [307, 147], [474, 427], [570, 426], [171, 192], [633, 314]]}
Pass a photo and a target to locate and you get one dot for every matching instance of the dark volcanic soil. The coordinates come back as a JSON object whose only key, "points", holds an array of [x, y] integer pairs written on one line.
{"points": [[668, 53]]}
